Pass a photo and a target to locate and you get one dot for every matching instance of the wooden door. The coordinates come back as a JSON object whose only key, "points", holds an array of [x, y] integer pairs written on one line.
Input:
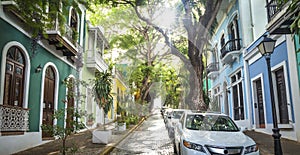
{"points": [[48, 101], [260, 104], [281, 96]]}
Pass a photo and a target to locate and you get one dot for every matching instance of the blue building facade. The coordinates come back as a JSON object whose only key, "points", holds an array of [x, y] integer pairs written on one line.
{"points": [[238, 72], [227, 83]]}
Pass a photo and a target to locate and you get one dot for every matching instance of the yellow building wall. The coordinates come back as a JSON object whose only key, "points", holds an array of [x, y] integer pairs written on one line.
{"points": [[122, 89]]}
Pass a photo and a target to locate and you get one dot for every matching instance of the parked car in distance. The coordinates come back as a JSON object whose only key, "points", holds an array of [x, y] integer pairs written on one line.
{"points": [[173, 119], [166, 114], [205, 133]]}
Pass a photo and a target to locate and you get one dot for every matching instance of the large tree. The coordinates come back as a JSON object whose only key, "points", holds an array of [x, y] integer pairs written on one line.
{"points": [[144, 48], [197, 18]]}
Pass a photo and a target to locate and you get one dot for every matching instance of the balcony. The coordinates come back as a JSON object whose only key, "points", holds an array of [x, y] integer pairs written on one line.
{"points": [[67, 42], [212, 70], [12, 7], [230, 51], [96, 45], [95, 61], [13, 120], [279, 17]]}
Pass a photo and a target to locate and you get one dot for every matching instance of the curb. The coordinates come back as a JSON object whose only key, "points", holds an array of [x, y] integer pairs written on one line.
{"points": [[108, 149]]}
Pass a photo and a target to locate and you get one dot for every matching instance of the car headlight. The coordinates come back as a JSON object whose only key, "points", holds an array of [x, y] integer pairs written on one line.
{"points": [[252, 148], [193, 146]]}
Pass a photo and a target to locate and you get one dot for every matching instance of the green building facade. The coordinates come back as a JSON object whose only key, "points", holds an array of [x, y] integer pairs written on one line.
{"points": [[32, 78]]}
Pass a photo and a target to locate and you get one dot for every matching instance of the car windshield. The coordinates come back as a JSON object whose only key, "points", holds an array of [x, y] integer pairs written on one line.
{"points": [[177, 114], [210, 123]]}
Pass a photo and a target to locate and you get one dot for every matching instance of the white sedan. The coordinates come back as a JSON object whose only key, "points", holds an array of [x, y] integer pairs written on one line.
{"points": [[211, 133]]}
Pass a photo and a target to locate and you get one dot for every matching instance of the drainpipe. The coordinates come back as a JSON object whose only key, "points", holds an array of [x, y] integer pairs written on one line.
{"points": [[251, 20]]}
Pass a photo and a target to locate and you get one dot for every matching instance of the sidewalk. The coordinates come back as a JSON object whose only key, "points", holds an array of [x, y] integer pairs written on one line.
{"points": [[265, 143], [82, 143]]}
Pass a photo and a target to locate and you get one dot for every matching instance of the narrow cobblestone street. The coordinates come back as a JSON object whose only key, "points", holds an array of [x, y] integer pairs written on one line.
{"points": [[151, 138]]}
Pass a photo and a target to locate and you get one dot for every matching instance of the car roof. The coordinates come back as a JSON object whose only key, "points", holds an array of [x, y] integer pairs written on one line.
{"points": [[193, 112]]}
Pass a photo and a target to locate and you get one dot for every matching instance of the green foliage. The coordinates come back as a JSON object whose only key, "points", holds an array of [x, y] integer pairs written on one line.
{"points": [[294, 5], [172, 86], [295, 26], [74, 125], [130, 33], [102, 85], [63, 132], [132, 119], [40, 15]]}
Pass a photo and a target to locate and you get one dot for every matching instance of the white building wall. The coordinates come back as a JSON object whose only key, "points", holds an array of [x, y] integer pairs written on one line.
{"points": [[295, 92], [259, 16]]}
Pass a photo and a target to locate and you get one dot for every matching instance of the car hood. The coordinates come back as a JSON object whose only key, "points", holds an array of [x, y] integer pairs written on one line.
{"points": [[218, 138]]}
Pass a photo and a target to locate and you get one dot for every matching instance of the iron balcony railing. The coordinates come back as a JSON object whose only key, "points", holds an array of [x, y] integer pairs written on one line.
{"points": [[69, 32], [231, 45], [272, 8], [13, 118], [212, 67]]}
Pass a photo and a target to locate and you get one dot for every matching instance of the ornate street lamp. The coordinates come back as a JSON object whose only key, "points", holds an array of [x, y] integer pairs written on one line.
{"points": [[266, 47]]}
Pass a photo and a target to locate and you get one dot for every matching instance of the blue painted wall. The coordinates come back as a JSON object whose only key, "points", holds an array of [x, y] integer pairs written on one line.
{"points": [[279, 55]]}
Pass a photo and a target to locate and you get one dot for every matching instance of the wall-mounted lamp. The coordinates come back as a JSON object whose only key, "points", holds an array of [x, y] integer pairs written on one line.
{"points": [[38, 69]]}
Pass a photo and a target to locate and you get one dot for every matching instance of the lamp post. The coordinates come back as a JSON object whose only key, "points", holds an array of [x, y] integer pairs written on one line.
{"points": [[266, 48]]}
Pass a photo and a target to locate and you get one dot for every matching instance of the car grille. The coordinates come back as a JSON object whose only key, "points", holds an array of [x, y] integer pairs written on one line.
{"points": [[217, 150]]}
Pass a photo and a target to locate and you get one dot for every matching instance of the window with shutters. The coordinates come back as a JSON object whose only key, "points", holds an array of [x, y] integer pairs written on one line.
{"points": [[14, 77], [237, 96]]}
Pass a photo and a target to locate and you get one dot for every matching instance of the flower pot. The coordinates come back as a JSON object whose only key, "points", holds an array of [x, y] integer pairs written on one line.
{"points": [[102, 136], [121, 126]]}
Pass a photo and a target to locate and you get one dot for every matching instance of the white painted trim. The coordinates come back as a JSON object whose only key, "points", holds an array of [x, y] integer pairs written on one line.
{"points": [[255, 55], [232, 16], [26, 71], [274, 68], [259, 76], [247, 91], [82, 40], [55, 91], [78, 19], [295, 90], [236, 83]]}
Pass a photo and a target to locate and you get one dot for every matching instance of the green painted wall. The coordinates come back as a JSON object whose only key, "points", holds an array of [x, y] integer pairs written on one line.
{"points": [[41, 57]]}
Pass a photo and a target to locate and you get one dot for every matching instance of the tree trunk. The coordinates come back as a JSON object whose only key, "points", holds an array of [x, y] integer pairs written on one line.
{"points": [[198, 32]]}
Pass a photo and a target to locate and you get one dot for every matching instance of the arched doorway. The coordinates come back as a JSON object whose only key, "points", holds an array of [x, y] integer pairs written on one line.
{"points": [[48, 100]]}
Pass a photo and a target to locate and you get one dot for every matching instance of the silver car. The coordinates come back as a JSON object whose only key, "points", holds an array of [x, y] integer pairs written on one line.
{"points": [[211, 133], [173, 119]]}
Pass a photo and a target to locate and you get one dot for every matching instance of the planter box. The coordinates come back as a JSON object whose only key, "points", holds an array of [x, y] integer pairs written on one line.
{"points": [[121, 126], [101, 136]]}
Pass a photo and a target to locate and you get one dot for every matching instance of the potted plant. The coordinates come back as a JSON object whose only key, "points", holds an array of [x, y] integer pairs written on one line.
{"points": [[121, 124], [102, 92], [90, 119]]}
